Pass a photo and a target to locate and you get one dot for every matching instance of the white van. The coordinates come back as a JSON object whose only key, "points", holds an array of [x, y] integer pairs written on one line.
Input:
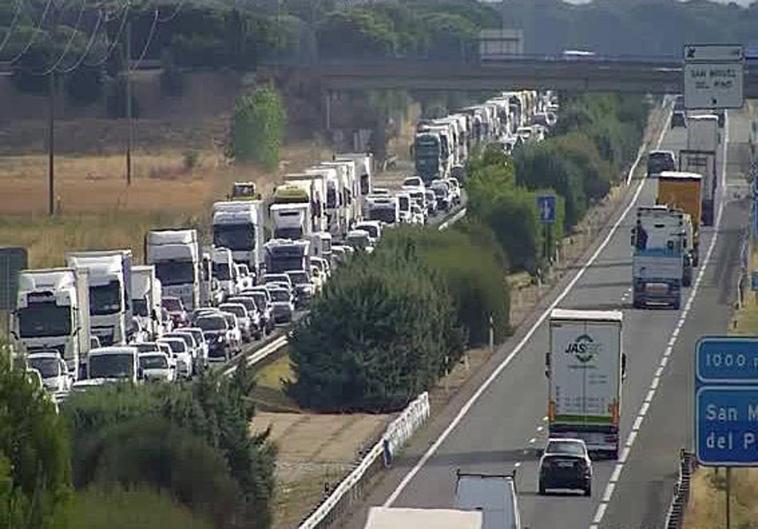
{"points": [[492, 494]]}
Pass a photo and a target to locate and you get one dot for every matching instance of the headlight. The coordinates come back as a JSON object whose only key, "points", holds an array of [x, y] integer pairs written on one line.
{"points": [[220, 339]]}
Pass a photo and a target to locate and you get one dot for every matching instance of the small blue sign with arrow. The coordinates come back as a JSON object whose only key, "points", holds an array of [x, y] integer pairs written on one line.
{"points": [[546, 207]]}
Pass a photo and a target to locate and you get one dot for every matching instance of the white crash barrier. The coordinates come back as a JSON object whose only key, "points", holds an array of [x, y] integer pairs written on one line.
{"points": [[396, 435]]}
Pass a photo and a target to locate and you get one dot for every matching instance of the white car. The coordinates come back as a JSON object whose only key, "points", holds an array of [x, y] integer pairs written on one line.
{"points": [[245, 279], [359, 240], [202, 346], [374, 229], [192, 346], [157, 367], [414, 182], [283, 305], [52, 370], [235, 333], [323, 266], [243, 318], [417, 215], [455, 189], [282, 279], [181, 355]]}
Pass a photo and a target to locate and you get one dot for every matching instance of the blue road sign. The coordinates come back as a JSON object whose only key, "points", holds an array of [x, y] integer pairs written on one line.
{"points": [[726, 401], [726, 432], [546, 207]]}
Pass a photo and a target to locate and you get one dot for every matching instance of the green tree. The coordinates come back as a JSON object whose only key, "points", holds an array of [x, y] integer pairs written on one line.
{"points": [[258, 127], [35, 477]]}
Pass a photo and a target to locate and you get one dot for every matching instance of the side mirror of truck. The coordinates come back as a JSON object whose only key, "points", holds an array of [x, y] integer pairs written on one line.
{"points": [[623, 366]]}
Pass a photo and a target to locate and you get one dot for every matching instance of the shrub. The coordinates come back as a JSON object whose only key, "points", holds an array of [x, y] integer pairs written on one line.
{"points": [[172, 78], [113, 507], [115, 99], [381, 333], [84, 85], [258, 127]]}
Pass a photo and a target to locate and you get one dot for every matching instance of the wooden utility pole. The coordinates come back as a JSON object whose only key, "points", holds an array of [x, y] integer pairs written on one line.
{"points": [[51, 146], [130, 141]]}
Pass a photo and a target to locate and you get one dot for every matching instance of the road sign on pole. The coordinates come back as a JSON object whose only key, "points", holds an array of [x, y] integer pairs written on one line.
{"points": [[713, 76], [546, 207], [726, 401]]}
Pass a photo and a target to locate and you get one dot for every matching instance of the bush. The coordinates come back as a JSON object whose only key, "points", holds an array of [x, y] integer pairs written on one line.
{"points": [[473, 266], [172, 78], [35, 472], [115, 507], [381, 333], [84, 85], [258, 127], [115, 99], [214, 409]]}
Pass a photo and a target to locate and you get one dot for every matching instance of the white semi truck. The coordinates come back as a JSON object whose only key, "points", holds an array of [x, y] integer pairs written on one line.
{"points": [[176, 256], [284, 255], [585, 368], [224, 270], [110, 293], [314, 186], [364, 170], [239, 225], [661, 257], [52, 313], [700, 157], [146, 299]]}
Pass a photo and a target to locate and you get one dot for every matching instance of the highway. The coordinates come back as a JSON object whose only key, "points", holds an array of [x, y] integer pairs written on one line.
{"points": [[498, 421]]}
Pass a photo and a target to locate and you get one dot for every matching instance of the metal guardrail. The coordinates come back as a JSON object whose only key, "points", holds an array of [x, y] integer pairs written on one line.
{"points": [[351, 488], [675, 514]]}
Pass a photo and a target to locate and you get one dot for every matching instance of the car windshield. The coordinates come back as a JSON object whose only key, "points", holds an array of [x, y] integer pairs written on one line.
{"points": [[275, 278], [383, 214], [153, 362], [298, 278], [565, 447], [186, 338], [372, 230], [44, 319], [260, 300], [146, 347], [175, 272], [177, 345], [234, 309], [280, 295], [222, 271], [105, 299], [140, 307], [288, 233], [236, 237], [247, 302], [212, 324], [172, 304], [47, 366], [117, 365]]}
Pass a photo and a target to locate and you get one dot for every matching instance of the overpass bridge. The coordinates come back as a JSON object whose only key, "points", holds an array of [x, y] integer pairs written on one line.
{"points": [[633, 75]]}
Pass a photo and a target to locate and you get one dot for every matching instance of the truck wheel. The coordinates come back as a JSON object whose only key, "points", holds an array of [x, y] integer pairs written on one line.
{"points": [[676, 305], [588, 490]]}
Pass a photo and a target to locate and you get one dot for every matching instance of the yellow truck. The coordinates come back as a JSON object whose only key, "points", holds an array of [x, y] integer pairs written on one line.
{"points": [[683, 191]]}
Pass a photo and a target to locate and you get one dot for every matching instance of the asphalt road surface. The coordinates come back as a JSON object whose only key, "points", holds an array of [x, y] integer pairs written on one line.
{"points": [[498, 421]]}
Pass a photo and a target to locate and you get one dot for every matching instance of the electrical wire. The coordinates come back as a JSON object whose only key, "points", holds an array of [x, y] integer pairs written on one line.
{"points": [[147, 42], [12, 25], [173, 15], [116, 41], [34, 33], [89, 46], [66, 49]]}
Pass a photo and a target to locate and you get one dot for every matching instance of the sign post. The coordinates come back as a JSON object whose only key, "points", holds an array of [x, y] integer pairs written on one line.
{"points": [[726, 404], [546, 206], [713, 76]]}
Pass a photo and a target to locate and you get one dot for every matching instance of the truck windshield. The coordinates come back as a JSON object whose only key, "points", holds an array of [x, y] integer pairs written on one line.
{"points": [[111, 366], [44, 319], [404, 203], [105, 299], [298, 278], [331, 196], [659, 162], [140, 307], [175, 272], [382, 214], [222, 271], [236, 237], [289, 233], [280, 295], [286, 262], [47, 367]]}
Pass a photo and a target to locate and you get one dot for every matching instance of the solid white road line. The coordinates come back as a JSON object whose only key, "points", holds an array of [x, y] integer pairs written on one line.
{"points": [[610, 488], [520, 345]]}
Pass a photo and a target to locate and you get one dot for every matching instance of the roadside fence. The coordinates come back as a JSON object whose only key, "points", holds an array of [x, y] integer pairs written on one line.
{"points": [[675, 515]]}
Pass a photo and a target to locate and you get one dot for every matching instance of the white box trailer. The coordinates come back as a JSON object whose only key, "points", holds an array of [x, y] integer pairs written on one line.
{"points": [[146, 299], [176, 256], [703, 140], [585, 366], [494, 495], [406, 518]]}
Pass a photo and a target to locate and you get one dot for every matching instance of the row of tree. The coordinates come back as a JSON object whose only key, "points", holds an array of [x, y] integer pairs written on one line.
{"points": [[171, 456], [392, 322], [596, 138]]}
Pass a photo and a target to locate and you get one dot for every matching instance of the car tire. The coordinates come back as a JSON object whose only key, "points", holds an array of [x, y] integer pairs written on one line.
{"points": [[588, 490], [541, 489]]}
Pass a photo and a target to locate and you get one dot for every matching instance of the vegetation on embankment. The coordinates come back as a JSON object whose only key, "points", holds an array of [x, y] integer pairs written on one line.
{"points": [[170, 456]]}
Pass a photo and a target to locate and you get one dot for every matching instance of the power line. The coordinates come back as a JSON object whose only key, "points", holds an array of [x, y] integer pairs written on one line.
{"points": [[12, 25], [116, 41], [34, 33], [70, 40], [89, 46], [173, 15], [147, 42]]}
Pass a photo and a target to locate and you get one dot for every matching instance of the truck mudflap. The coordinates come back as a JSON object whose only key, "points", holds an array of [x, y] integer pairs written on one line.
{"points": [[600, 441]]}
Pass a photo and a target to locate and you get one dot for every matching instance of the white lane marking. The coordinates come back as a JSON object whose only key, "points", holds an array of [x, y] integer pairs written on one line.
{"points": [[649, 396], [616, 473], [516, 350], [659, 372], [664, 361], [608, 492], [600, 513], [637, 422], [654, 384]]}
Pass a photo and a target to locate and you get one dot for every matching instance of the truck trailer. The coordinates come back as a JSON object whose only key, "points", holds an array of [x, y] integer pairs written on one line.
{"points": [[700, 157], [680, 190], [585, 368]]}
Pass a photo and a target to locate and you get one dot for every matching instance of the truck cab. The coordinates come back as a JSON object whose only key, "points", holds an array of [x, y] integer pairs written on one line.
{"points": [[114, 364], [146, 299], [224, 270], [291, 221], [176, 256], [494, 495], [283, 255], [238, 226], [110, 293]]}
